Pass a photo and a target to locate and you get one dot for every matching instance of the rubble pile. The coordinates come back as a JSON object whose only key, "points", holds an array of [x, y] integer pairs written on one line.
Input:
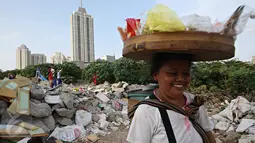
{"points": [[64, 112], [235, 121]]}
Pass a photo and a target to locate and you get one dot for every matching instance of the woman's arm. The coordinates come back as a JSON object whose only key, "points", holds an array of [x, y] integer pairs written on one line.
{"points": [[205, 122], [211, 137]]}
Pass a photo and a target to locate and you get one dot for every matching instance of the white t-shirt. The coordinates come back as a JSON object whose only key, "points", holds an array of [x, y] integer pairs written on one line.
{"points": [[58, 75], [147, 125]]}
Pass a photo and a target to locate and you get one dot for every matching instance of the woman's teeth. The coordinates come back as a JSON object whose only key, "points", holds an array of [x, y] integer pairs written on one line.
{"points": [[179, 86]]}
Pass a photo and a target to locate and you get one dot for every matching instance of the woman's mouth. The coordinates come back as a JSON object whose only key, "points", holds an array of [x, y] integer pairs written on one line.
{"points": [[178, 85]]}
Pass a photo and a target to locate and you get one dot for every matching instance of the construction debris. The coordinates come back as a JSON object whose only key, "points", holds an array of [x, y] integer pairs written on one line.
{"points": [[236, 122], [65, 112]]}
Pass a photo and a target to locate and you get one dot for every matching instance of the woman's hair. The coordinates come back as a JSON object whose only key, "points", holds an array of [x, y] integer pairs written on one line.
{"points": [[159, 59]]}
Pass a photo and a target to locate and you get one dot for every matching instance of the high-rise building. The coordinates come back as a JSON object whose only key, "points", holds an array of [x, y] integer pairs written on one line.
{"points": [[68, 59], [23, 57], [82, 36], [253, 60], [37, 59], [58, 58], [108, 58]]}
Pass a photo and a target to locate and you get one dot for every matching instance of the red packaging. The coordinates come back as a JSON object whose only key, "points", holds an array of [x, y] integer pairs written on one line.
{"points": [[133, 26]]}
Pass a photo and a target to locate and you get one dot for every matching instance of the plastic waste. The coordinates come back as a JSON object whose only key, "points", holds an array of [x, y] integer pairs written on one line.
{"points": [[196, 22], [69, 133], [162, 19], [238, 20]]}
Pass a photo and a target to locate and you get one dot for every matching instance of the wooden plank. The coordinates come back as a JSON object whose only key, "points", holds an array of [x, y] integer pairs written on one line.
{"points": [[23, 106], [202, 45]]}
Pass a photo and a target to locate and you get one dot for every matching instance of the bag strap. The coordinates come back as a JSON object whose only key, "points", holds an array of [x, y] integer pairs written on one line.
{"points": [[167, 124], [159, 104]]}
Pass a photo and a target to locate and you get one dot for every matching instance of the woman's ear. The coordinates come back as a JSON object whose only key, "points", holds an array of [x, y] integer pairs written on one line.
{"points": [[155, 76]]}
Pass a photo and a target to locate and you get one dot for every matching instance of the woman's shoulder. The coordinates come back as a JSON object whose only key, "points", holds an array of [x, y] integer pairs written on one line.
{"points": [[190, 97], [145, 108]]}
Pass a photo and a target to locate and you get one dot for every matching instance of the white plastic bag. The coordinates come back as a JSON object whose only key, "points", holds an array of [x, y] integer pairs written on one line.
{"points": [[238, 106], [235, 26], [83, 117], [195, 22], [69, 133]]}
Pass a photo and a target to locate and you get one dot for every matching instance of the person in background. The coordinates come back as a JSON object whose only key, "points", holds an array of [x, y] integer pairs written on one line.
{"points": [[37, 75], [59, 77], [10, 76], [50, 77], [95, 79], [54, 77]]}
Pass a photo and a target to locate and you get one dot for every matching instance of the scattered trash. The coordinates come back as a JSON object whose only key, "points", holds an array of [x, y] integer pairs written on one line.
{"points": [[63, 112]]}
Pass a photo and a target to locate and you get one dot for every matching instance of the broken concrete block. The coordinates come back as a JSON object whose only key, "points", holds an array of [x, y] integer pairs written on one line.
{"points": [[223, 126], [5, 117], [247, 139], [37, 92], [35, 101], [40, 110], [65, 112], [56, 107], [49, 122], [67, 99], [118, 94], [64, 121], [52, 99], [3, 106], [111, 117], [102, 97], [117, 85], [36, 122], [95, 118], [54, 92]]}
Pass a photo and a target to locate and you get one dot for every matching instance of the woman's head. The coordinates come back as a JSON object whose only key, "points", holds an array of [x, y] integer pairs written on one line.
{"points": [[172, 72]]}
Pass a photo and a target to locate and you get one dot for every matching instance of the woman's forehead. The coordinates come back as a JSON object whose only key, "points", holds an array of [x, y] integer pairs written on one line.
{"points": [[177, 64]]}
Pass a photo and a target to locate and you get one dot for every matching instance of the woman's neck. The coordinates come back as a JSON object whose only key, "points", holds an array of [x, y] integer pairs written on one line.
{"points": [[178, 100]]}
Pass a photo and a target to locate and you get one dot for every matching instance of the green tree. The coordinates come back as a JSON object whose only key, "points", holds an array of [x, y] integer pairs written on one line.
{"points": [[103, 69], [131, 71]]}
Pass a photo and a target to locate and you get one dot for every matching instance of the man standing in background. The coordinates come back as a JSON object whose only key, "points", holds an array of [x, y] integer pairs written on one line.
{"points": [[59, 77]]}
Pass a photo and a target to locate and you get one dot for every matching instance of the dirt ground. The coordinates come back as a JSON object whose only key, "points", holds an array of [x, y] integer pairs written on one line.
{"points": [[115, 137]]}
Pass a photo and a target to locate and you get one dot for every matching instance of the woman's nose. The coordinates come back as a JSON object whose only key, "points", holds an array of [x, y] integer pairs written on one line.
{"points": [[180, 77]]}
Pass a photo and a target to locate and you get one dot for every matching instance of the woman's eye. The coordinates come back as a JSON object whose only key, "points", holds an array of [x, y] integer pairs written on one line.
{"points": [[186, 74], [172, 73]]}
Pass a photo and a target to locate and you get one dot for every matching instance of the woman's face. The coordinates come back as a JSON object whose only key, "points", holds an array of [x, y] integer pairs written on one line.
{"points": [[174, 77]]}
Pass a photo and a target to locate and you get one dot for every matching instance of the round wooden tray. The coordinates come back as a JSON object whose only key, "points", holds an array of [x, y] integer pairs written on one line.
{"points": [[202, 46]]}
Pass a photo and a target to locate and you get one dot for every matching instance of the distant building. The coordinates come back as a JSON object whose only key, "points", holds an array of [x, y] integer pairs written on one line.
{"points": [[37, 59], [68, 59], [108, 58], [82, 36], [23, 57], [58, 58], [253, 60]]}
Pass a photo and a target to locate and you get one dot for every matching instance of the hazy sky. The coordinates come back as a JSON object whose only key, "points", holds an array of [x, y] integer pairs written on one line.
{"points": [[44, 25]]}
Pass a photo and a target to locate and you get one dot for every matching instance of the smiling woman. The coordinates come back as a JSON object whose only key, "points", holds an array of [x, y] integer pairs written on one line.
{"points": [[171, 114], [172, 72]]}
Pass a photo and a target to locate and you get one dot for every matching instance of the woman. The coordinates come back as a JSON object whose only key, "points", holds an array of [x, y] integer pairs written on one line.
{"points": [[50, 77], [153, 125]]}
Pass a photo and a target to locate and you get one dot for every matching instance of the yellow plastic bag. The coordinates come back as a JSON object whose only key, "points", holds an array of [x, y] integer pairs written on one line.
{"points": [[162, 19]]}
